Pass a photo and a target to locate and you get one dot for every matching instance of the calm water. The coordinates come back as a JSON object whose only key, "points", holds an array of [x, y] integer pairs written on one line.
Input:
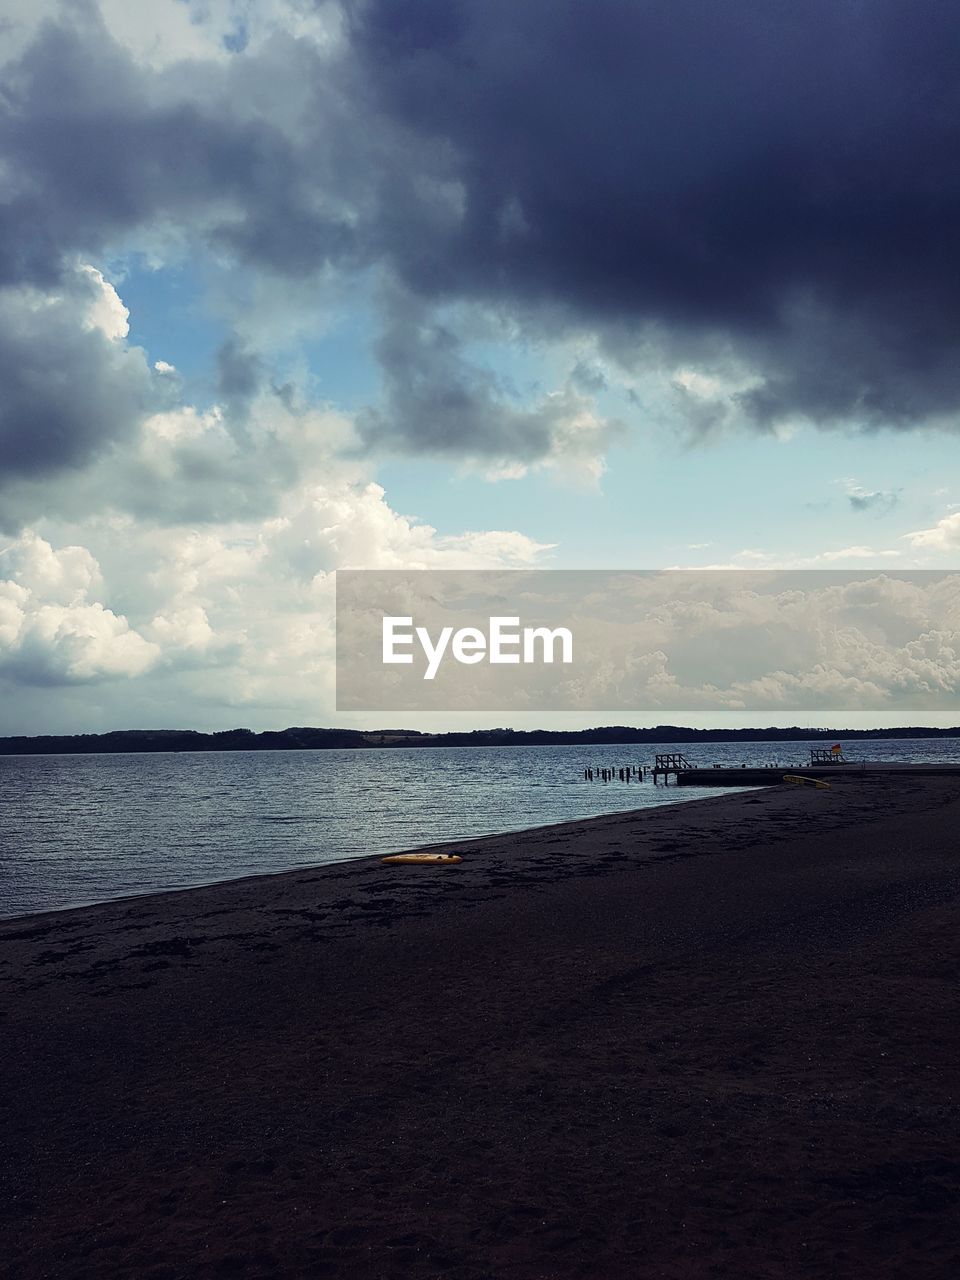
{"points": [[80, 829]]}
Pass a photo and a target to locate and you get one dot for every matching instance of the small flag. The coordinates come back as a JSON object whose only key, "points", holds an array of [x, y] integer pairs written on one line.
{"points": [[835, 749]]}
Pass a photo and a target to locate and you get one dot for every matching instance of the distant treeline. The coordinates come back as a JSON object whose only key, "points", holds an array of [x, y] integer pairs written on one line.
{"points": [[355, 739]]}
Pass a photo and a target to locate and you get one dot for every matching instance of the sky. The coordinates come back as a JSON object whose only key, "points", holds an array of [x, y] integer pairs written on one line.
{"points": [[288, 286]]}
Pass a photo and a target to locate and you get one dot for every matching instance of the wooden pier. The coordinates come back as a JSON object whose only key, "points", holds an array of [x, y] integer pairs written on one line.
{"points": [[688, 774]]}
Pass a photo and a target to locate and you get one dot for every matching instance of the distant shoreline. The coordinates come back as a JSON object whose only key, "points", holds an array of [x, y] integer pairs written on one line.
{"points": [[307, 739]]}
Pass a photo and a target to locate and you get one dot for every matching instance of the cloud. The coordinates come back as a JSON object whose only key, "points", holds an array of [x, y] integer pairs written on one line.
{"points": [[98, 147], [240, 375], [247, 157], [772, 239], [139, 448], [752, 558], [877, 500], [749, 641], [242, 612], [944, 536], [589, 377], [105, 310], [57, 577], [781, 207], [858, 552], [352, 526], [50, 633], [779, 195], [437, 401], [70, 386], [83, 644]]}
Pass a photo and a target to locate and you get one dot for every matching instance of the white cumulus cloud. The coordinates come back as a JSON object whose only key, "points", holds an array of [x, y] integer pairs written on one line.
{"points": [[50, 633], [944, 536]]}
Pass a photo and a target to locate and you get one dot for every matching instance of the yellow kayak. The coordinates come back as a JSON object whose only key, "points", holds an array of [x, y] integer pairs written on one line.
{"points": [[423, 859], [815, 782]]}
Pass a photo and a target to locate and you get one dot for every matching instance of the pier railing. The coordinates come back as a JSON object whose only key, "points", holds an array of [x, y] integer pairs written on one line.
{"points": [[674, 762]]}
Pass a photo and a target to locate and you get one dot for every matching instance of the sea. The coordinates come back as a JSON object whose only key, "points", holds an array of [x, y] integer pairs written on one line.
{"points": [[79, 829]]}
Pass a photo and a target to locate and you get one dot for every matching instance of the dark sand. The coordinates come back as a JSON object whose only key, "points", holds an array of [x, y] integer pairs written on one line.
{"points": [[714, 1040]]}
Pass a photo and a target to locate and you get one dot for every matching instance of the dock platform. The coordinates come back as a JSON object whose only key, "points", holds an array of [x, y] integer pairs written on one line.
{"points": [[768, 776]]}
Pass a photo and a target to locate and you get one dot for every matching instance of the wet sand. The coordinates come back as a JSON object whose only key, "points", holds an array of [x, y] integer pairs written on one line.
{"points": [[719, 1039]]}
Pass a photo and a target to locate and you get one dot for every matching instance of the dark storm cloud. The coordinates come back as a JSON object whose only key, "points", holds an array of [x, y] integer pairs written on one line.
{"points": [[66, 390], [777, 178]]}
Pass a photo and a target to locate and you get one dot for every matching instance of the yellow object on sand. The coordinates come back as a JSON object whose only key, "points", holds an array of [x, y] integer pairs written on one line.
{"points": [[795, 777], [423, 859]]}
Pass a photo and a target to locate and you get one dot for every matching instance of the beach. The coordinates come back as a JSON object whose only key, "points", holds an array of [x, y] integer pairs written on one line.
{"points": [[712, 1039]]}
